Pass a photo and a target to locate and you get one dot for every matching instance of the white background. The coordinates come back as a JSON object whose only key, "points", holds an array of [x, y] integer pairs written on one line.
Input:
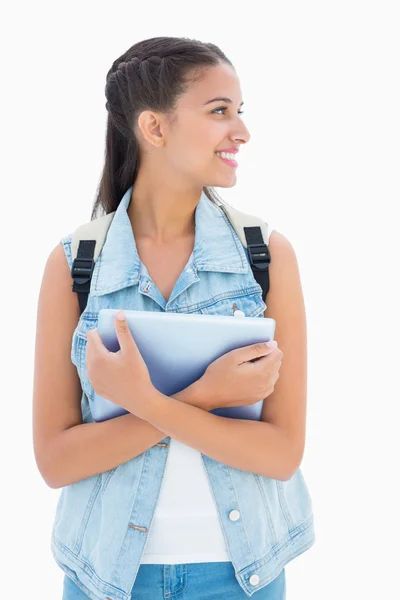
{"points": [[320, 83]]}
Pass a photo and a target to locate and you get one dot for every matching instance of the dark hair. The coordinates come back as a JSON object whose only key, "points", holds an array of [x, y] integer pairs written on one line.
{"points": [[151, 75]]}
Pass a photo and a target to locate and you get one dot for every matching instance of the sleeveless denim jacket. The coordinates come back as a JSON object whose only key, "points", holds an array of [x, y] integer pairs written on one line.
{"points": [[102, 522]]}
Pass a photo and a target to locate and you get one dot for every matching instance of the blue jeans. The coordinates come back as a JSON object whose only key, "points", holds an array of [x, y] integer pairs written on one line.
{"points": [[191, 581]]}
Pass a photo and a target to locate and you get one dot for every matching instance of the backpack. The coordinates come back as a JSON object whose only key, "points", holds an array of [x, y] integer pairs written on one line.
{"points": [[88, 240]]}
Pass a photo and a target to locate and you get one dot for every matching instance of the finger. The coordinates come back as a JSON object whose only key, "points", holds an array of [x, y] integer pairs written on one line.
{"points": [[94, 337], [251, 354], [125, 339], [263, 362]]}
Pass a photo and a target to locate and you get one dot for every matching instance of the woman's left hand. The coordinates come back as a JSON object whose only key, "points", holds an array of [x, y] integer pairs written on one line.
{"points": [[121, 377]]}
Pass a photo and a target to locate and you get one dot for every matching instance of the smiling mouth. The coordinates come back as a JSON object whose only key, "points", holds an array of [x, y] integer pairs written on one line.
{"points": [[231, 163]]}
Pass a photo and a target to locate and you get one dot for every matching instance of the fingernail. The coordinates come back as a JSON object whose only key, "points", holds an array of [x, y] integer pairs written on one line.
{"points": [[121, 315], [271, 344]]}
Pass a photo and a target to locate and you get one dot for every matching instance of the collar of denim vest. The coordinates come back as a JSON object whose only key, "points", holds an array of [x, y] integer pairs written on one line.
{"points": [[217, 247]]}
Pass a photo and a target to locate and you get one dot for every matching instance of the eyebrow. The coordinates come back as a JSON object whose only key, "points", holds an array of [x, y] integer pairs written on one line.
{"points": [[221, 99]]}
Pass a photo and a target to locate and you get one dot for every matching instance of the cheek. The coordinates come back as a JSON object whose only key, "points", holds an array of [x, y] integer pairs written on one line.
{"points": [[194, 148], [191, 156]]}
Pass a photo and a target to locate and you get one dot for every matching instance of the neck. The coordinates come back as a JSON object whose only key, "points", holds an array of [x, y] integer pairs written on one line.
{"points": [[162, 214]]}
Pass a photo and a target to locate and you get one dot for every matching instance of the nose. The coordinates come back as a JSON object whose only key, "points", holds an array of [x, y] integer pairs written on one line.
{"points": [[242, 136]]}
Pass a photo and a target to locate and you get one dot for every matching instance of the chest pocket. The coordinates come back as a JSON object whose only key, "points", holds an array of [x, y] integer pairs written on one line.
{"points": [[248, 300]]}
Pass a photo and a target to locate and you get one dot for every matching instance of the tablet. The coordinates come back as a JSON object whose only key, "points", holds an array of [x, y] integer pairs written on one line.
{"points": [[177, 349]]}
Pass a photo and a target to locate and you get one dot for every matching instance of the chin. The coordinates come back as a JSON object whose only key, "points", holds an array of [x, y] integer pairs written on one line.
{"points": [[223, 182]]}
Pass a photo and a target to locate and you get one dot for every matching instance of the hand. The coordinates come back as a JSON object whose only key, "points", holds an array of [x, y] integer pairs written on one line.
{"points": [[241, 377], [121, 377]]}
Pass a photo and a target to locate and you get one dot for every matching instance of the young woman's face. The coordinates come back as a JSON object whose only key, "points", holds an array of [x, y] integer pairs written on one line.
{"points": [[200, 128]]}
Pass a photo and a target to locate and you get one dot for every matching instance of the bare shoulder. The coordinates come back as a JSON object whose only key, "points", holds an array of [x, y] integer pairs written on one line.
{"points": [[57, 270], [281, 246], [284, 272], [56, 391]]}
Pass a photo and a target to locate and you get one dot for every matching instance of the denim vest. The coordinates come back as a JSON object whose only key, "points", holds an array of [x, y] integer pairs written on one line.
{"points": [[102, 522]]}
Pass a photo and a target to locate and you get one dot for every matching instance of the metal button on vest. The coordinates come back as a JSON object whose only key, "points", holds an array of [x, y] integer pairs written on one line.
{"points": [[254, 579], [234, 515]]}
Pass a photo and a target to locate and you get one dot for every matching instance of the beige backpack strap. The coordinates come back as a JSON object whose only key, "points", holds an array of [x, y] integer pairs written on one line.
{"points": [[86, 244], [240, 220], [95, 230], [254, 235]]}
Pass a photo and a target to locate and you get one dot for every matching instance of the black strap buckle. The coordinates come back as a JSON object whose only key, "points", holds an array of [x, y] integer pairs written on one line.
{"points": [[82, 269], [259, 256]]}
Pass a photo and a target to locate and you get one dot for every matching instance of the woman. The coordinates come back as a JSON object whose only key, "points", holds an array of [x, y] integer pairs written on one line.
{"points": [[230, 508]]}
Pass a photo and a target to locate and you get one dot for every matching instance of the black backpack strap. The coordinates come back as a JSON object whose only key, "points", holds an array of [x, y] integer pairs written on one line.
{"points": [[86, 244], [257, 250], [86, 251], [82, 271], [253, 233], [259, 257]]}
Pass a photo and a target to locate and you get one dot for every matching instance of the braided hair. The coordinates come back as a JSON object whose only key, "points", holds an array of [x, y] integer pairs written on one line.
{"points": [[151, 75]]}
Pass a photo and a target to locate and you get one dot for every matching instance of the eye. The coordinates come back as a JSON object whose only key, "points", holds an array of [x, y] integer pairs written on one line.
{"points": [[240, 112]]}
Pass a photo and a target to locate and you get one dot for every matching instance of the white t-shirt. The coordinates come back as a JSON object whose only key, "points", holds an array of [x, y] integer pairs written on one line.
{"points": [[185, 526]]}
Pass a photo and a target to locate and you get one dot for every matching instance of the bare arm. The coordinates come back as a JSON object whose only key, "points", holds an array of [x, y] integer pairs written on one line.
{"points": [[66, 449], [254, 446], [90, 448]]}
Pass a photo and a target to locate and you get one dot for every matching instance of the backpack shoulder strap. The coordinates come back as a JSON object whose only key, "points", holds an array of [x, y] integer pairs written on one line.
{"points": [[254, 235], [86, 244], [88, 240]]}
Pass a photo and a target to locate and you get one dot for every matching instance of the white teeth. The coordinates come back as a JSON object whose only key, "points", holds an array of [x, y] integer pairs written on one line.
{"points": [[228, 155]]}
